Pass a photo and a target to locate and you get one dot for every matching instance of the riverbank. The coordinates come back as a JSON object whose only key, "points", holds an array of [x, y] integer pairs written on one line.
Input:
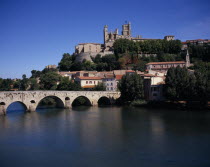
{"points": [[181, 105]]}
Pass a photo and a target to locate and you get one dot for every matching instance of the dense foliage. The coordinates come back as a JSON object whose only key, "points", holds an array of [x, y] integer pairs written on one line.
{"points": [[99, 87], [182, 84], [131, 87], [147, 46], [199, 52], [67, 84]]}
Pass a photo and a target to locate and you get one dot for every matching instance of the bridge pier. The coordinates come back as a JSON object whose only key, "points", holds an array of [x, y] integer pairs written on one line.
{"points": [[31, 108], [94, 102], [2, 110], [67, 104]]}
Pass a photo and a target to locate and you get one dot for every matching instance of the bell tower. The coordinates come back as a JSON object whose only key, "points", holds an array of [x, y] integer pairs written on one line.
{"points": [[126, 30], [105, 34], [187, 59]]}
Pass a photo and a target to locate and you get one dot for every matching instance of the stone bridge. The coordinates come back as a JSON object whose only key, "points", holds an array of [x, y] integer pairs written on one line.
{"points": [[31, 99]]}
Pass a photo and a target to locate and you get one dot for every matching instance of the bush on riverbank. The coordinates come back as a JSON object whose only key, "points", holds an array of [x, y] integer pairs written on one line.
{"points": [[138, 103]]}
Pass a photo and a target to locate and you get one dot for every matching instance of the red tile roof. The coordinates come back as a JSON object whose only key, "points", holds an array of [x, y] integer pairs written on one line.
{"points": [[118, 77], [89, 86], [90, 78], [170, 62]]}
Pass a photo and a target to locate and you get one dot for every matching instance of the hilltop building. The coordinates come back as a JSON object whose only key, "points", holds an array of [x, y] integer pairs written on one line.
{"points": [[88, 50], [199, 42]]}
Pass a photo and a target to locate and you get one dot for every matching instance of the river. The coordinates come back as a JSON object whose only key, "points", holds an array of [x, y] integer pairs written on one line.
{"points": [[105, 137]]}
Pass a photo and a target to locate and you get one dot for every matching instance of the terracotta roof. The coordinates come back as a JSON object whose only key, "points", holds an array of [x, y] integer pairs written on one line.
{"points": [[89, 86], [170, 62], [118, 77], [90, 78]]}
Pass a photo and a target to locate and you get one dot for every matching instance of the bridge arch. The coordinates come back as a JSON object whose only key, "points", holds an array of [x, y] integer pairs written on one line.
{"points": [[81, 100], [59, 102], [19, 102], [104, 100]]}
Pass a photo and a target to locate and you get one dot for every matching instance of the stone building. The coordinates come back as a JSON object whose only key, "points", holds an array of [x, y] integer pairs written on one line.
{"points": [[88, 50], [164, 66]]}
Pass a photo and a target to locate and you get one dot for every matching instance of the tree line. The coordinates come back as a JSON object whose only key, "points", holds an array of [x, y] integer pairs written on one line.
{"points": [[184, 85], [147, 47]]}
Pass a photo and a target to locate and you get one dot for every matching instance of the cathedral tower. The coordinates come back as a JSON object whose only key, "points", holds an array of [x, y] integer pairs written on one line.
{"points": [[126, 30], [106, 35]]}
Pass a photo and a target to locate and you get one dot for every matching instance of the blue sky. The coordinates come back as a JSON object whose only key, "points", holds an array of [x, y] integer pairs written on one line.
{"points": [[35, 33]]}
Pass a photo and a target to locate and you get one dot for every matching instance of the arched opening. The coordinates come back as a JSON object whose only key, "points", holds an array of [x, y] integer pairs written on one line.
{"points": [[104, 101], [2, 103], [32, 101], [81, 101], [17, 107], [50, 102], [67, 98]]}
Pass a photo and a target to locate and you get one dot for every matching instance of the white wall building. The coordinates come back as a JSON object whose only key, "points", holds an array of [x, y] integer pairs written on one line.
{"points": [[88, 82]]}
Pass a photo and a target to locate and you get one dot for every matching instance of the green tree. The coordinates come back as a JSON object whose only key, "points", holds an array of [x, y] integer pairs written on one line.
{"points": [[5, 84], [99, 87], [77, 66], [89, 66], [49, 80], [35, 74], [24, 83], [67, 84], [131, 87], [66, 62], [33, 84]]}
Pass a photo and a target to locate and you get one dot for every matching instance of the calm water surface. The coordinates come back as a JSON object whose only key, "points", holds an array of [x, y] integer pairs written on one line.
{"points": [[105, 137]]}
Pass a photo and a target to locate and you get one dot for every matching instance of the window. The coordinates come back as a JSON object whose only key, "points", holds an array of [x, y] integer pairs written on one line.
{"points": [[86, 82], [107, 84], [94, 82], [90, 82], [111, 84], [111, 88]]}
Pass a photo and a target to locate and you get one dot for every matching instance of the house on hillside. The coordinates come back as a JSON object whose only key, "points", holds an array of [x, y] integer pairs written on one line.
{"points": [[110, 82], [88, 82]]}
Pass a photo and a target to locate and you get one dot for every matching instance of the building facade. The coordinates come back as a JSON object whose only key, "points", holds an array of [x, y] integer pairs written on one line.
{"points": [[88, 82]]}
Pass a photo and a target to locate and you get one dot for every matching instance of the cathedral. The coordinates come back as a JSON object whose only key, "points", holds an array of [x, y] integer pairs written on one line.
{"points": [[88, 50]]}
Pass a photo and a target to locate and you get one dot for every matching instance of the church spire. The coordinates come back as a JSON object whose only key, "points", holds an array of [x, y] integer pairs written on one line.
{"points": [[187, 59]]}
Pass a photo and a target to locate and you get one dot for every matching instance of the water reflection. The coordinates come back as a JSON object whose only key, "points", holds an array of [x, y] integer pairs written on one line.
{"points": [[108, 136]]}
